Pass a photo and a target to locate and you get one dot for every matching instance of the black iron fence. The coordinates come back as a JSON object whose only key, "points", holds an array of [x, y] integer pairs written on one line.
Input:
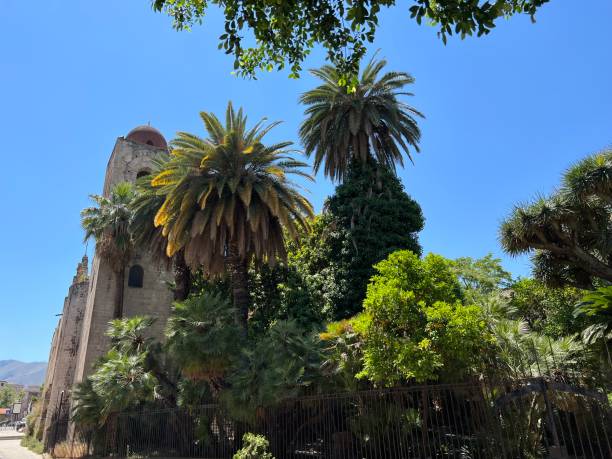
{"points": [[525, 418]]}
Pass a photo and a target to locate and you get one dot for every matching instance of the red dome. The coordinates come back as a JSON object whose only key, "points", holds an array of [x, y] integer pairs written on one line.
{"points": [[147, 135]]}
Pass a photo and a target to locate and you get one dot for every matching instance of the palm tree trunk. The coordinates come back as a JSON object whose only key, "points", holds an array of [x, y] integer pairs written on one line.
{"points": [[118, 314], [182, 277], [238, 271]]}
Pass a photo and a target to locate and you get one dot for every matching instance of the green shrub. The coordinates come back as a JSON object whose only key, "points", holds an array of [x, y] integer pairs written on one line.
{"points": [[415, 325], [32, 444], [254, 447]]}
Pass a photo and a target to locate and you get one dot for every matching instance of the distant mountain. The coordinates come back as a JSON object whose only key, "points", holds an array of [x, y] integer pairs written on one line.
{"points": [[26, 373]]}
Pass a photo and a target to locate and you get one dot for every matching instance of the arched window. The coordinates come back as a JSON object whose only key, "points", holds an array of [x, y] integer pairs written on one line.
{"points": [[142, 173], [150, 142], [136, 276]]}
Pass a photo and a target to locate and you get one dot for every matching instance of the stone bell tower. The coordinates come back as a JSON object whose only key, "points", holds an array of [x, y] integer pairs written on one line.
{"points": [[147, 285]]}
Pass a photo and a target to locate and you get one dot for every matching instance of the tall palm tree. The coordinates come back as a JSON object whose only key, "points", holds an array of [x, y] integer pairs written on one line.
{"points": [[369, 123], [108, 223], [229, 200]]}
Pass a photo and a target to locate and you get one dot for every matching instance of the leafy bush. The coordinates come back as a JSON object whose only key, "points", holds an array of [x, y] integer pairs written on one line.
{"points": [[343, 352], [546, 310], [415, 324], [33, 444], [254, 447]]}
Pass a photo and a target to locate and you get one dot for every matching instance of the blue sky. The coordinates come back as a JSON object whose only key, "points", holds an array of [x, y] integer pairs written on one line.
{"points": [[506, 114]]}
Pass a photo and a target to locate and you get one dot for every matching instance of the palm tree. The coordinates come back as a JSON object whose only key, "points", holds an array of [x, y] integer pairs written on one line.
{"points": [[369, 123], [108, 223], [228, 200], [201, 337]]}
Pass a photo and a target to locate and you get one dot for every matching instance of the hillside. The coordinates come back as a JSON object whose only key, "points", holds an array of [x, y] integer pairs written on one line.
{"points": [[26, 373]]}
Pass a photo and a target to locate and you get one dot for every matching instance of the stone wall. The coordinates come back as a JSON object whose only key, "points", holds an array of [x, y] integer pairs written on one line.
{"points": [[128, 160], [67, 344], [80, 338]]}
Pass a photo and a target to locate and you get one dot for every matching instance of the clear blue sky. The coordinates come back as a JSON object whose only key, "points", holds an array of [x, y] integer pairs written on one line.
{"points": [[506, 114]]}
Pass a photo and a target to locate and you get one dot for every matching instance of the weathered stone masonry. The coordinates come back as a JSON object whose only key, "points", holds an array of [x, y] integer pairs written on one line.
{"points": [[80, 339]]}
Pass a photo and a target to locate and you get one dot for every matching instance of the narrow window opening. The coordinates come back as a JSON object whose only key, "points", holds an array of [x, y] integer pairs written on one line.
{"points": [[135, 276], [142, 173]]}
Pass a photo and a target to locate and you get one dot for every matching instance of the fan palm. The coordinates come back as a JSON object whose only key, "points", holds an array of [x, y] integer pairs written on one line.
{"points": [[365, 124], [108, 223], [201, 337], [86, 405], [228, 200], [129, 335]]}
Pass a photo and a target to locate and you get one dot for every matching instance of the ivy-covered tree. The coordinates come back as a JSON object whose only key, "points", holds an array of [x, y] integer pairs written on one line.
{"points": [[377, 220], [284, 33], [569, 232], [328, 268]]}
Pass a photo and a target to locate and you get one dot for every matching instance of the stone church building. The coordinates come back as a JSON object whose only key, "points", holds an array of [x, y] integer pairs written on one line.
{"points": [[79, 338]]}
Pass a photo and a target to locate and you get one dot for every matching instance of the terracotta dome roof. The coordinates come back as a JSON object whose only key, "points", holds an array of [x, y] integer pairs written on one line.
{"points": [[147, 135]]}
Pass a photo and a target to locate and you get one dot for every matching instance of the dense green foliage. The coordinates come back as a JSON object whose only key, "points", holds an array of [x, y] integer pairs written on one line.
{"points": [[202, 338], [129, 374], [284, 33], [570, 230], [596, 311], [281, 364], [369, 125], [8, 396], [328, 267], [254, 447], [483, 274], [33, 444], [379, 218], [546, 310], [416, 326]]}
